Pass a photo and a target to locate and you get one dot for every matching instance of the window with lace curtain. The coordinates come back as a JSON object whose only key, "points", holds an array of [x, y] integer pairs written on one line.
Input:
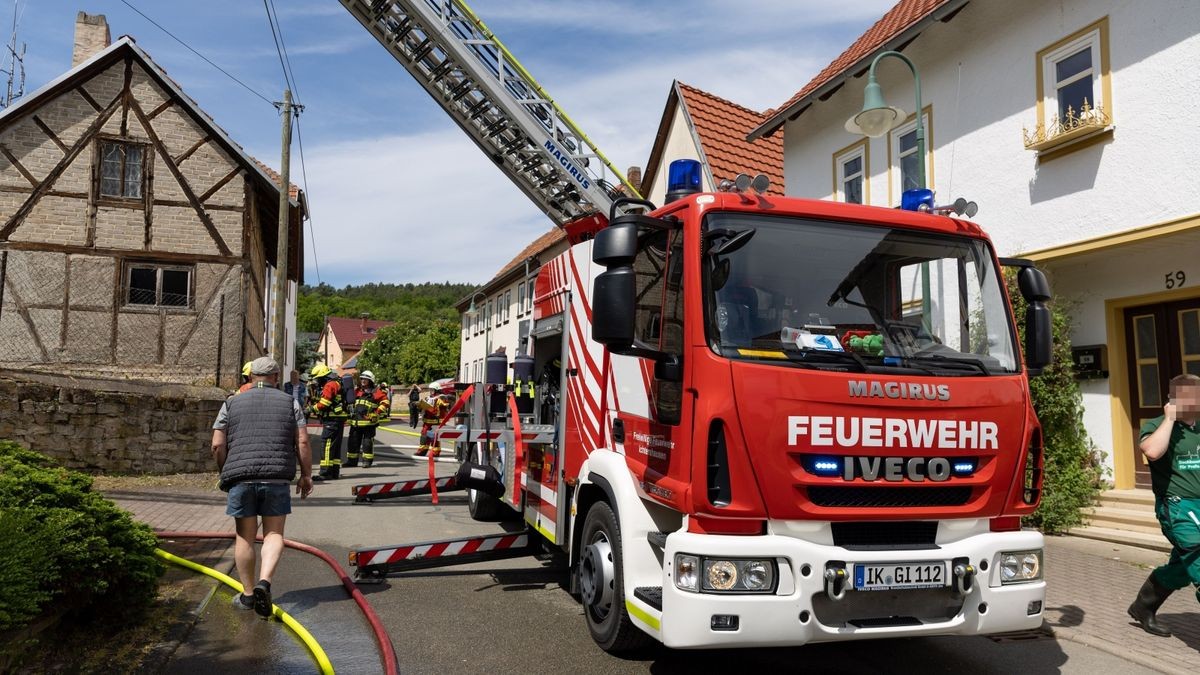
{"points": [[121, 169]]}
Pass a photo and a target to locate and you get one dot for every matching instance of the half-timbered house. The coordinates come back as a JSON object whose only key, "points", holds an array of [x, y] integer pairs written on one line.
{"points": [[136, 237]]}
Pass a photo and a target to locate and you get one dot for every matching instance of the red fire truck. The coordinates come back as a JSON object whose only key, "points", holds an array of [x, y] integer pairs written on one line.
{"points": [[773, 421], [744, 420]]}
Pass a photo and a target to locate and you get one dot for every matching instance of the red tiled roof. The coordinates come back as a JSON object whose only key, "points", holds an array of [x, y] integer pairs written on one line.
{"points": [[722, 126], [535, 247], [350, 334], [293, 190], [899, 18]]}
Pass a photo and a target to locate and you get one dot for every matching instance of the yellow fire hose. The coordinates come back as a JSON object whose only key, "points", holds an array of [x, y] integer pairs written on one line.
{"points": [[305, 637]]}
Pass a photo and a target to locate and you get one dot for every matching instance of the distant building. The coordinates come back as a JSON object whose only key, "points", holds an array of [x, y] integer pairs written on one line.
{"points": [[343, 338], [136, 237], [504, 307], [702, 126]]}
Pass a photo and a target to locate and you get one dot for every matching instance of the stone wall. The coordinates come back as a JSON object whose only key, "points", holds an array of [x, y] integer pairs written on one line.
{"points": [[110, 426]]}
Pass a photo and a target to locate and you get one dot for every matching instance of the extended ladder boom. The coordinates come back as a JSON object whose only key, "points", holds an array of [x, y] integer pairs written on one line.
{"points": [[486, 91]]}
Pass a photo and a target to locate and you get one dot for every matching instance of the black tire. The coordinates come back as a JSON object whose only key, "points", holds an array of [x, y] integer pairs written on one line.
{"points": [[609, 623], [484, 507]]}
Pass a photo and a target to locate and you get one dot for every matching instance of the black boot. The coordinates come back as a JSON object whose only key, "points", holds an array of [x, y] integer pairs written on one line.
{"points": [[1150, 597]]}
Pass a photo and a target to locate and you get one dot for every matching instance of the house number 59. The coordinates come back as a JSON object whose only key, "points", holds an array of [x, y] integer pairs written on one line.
{"points": [[1175, 279]]}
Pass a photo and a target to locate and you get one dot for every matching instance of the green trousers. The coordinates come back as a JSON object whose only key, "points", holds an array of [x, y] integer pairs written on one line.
{"points": [[1180, 522]]}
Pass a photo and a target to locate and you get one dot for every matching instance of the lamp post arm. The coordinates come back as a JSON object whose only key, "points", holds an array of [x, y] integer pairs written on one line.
{"points": [[920, 123]]}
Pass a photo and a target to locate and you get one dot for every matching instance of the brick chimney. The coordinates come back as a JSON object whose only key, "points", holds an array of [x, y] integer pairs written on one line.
{"points": [[91, 36], [362, 322]]}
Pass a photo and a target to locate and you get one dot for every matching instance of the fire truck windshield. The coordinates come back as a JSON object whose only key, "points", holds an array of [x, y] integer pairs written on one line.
{"points": [[842, 295]]}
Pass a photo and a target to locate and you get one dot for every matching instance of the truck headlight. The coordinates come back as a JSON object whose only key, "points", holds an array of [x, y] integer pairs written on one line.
{"points": [[724, 575], [1020, 566]]}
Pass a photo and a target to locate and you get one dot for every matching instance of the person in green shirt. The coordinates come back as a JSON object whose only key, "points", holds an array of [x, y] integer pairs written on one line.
{"points": [[1172, 445]]}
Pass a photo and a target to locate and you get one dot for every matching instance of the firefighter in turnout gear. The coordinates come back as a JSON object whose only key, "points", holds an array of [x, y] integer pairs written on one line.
{"points": [[370, 406], [330, 406], [433, 409], [246, 383]]}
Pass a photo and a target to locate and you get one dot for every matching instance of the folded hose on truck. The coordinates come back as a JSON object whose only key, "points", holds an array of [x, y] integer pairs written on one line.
{"points": [[305, 637], [387, 652]]}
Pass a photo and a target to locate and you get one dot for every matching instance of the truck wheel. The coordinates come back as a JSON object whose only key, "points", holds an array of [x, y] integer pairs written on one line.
{"points": [[484, 507], [601, 586]]}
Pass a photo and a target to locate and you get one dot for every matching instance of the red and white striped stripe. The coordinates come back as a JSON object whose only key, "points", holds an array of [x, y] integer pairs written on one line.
{"points": [[383, 556], [373, 489]]}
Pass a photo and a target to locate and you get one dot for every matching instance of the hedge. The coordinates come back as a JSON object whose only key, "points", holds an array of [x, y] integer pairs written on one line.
{"points": [[65, 549], [1073, 469]]}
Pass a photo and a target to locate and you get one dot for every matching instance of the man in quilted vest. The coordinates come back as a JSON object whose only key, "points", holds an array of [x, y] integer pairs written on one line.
{"points": [[259, 439]]}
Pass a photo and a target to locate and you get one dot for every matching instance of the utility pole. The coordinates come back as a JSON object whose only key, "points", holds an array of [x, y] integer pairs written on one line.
{"points": [[278, 322]]}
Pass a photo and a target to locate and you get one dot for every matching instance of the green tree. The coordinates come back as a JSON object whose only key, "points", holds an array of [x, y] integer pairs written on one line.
{"points": [[306, 354], [412, 351], [1073, 470], [391, 302]]}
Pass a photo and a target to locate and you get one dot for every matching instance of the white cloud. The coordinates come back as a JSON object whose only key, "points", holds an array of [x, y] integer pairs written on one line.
{"points": [[691, 22], [414, 208]]}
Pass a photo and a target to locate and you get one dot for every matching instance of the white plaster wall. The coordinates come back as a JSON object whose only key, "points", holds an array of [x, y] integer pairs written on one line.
{"points": [[1086, 284], [978, 71], [680, 144], [472, 347]]}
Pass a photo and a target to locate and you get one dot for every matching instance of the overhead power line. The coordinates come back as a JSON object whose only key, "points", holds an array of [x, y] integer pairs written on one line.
{"points": [[192, 50]]}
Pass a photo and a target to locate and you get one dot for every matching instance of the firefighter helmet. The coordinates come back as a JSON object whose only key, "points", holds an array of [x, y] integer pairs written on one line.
{"points": [[246, 369], [321, 370], [367, 375]]}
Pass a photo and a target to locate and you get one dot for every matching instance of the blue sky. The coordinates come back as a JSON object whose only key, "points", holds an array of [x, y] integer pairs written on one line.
{"points": [[397, 192]]}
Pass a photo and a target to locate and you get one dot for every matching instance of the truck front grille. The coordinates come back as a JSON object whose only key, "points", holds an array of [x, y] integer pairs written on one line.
{"points": [[887, 497]]}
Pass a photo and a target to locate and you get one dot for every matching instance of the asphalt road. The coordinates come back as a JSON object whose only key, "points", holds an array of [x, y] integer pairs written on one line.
{"points": [[515, 616]]}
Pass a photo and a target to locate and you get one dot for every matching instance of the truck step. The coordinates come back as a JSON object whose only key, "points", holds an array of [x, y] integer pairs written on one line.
{"points": [[657, 539], [651, 595]]}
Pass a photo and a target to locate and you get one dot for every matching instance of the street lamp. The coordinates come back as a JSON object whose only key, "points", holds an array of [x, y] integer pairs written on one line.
{"points": [[876, 119]]}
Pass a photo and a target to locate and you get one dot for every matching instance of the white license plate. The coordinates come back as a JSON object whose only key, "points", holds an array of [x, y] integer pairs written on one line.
{"points": [[899, 576]]}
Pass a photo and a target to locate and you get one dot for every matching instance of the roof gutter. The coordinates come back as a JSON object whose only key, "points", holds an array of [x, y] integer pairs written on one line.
{"points": [[781, 117]]}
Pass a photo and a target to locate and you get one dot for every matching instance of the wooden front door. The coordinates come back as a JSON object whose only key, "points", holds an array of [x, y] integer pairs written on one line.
{"points": [[1162, 341]]}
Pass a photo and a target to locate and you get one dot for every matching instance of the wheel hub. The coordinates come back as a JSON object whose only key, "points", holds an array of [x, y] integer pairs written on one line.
{"points": [[596, 575]]}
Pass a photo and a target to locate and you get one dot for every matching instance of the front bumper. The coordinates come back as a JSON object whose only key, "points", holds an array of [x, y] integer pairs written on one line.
{"points": [[800, 612]]}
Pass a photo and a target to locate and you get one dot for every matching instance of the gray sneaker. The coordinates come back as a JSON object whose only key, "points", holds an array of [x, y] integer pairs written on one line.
{"points": [[245, 602]]}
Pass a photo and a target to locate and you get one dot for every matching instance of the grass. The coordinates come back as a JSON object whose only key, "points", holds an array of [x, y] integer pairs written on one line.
{"points": [[184, 481]]}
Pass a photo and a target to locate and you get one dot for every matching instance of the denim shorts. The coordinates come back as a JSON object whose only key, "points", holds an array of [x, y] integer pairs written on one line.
{"points": [[251, 499]]}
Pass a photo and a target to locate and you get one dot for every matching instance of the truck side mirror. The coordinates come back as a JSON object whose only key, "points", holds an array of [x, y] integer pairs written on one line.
{"points": [[1035, 288], [614, 293]]}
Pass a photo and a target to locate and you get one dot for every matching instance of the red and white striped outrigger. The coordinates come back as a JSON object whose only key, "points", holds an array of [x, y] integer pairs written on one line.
{"points": [[371, 565], [365, 493]]}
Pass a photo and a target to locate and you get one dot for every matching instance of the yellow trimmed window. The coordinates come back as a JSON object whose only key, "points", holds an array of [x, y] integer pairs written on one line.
{"points": [[1074, 89]]}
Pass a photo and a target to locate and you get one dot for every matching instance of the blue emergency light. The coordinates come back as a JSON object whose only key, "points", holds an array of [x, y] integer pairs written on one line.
{"points": [[825, 466], [683, 179], [913, 200], [964, 467]]}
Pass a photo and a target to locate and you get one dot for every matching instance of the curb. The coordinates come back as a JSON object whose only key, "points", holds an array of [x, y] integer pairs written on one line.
{"points": [[1105, 646], [158, 656]]}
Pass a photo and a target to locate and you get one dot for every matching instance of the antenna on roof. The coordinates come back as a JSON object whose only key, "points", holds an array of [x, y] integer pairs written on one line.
{"points": [[15, 62]]}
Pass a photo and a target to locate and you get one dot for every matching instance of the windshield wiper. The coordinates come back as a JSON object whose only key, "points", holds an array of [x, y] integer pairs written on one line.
{"points": [[825, 356], [941, 360]]}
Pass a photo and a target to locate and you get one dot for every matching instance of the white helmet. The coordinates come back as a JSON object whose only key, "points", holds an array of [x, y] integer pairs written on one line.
{"points": [[367, 375]]}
